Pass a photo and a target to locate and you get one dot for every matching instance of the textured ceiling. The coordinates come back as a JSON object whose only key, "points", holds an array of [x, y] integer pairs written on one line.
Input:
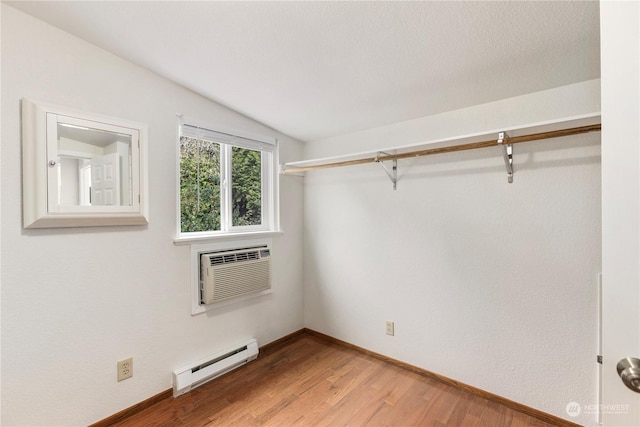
{"points": [[318, 69]]}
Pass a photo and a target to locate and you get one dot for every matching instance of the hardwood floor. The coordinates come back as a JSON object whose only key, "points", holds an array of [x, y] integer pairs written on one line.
{"points": [[308, 381]]}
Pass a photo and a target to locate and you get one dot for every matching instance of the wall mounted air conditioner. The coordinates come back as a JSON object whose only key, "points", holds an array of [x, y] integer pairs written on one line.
{"points": [[187, 378], [234, 273]]}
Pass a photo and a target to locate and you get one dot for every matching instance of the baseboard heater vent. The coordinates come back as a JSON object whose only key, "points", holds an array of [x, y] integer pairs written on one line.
{"points": [[187, 378]]}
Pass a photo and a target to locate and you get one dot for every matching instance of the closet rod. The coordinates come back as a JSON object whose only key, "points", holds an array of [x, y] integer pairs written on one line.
{"points": [[449, 149]]}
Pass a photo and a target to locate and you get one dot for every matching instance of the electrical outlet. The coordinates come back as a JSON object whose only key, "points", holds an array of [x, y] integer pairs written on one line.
{"points": [[390, 328], [125, 369]]}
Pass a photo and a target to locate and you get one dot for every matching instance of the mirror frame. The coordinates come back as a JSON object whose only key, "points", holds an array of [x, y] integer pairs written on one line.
{"points": [[36, 150]]}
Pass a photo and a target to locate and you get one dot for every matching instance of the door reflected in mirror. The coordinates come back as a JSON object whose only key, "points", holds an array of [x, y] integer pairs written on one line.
{"points": [[93, 167]]}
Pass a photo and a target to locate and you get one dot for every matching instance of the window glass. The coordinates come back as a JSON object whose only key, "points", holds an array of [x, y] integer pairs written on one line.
{"points": [[199, 185], [246, 187]]}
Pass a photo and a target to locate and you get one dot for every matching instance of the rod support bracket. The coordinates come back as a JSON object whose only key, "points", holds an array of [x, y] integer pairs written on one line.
{"points": [[393, 174], [507, 153]]}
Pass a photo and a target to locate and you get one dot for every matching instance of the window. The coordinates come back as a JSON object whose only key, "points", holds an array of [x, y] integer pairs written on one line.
{"points": [[226, 183]]}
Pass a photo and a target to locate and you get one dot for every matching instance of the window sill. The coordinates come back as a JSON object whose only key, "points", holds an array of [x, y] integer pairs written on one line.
{"points": [[191, 240]]}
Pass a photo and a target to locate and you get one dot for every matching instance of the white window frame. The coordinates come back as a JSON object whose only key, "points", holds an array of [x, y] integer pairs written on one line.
{"points": [[228, 138]]}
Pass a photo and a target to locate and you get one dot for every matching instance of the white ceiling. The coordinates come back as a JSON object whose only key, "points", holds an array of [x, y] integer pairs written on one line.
{"points": [[318, 69]]}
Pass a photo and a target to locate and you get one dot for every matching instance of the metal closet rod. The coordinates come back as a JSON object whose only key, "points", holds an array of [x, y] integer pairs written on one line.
{"points": [[449, 149]]}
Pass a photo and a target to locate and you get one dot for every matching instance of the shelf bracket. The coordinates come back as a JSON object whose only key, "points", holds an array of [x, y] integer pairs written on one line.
{"points": [[393, 174], [507, 153]]}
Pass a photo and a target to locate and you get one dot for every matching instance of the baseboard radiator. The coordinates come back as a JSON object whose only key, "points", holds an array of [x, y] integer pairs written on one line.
{"points": [[187, 378]]}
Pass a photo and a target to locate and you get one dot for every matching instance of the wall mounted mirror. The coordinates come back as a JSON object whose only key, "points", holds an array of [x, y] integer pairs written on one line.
{"points": [[82, 169]]}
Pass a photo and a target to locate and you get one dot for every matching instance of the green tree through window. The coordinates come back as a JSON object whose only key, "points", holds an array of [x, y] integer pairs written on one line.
{"points": [[246, 194], [199, 185], [201, 193]]}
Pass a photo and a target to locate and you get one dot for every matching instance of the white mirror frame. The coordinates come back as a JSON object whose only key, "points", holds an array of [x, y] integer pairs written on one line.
{"points": [[36, 150]]}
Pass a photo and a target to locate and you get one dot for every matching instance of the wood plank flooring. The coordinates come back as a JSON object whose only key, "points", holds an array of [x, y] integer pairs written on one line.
{"points": [[308, 381]]}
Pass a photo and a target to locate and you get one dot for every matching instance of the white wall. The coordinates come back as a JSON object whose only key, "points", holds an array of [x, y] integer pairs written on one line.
{"points": [[491, 284], [1, 120], [74, 301]]}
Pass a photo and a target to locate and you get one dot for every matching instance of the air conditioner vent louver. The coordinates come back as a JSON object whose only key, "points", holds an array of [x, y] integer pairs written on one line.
{"points": [[234, 273], [237, 257], [216, 260]]}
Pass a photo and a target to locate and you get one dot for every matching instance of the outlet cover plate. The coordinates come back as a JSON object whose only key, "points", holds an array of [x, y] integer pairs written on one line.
{"points": [[390, 328], [125, 368]]}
